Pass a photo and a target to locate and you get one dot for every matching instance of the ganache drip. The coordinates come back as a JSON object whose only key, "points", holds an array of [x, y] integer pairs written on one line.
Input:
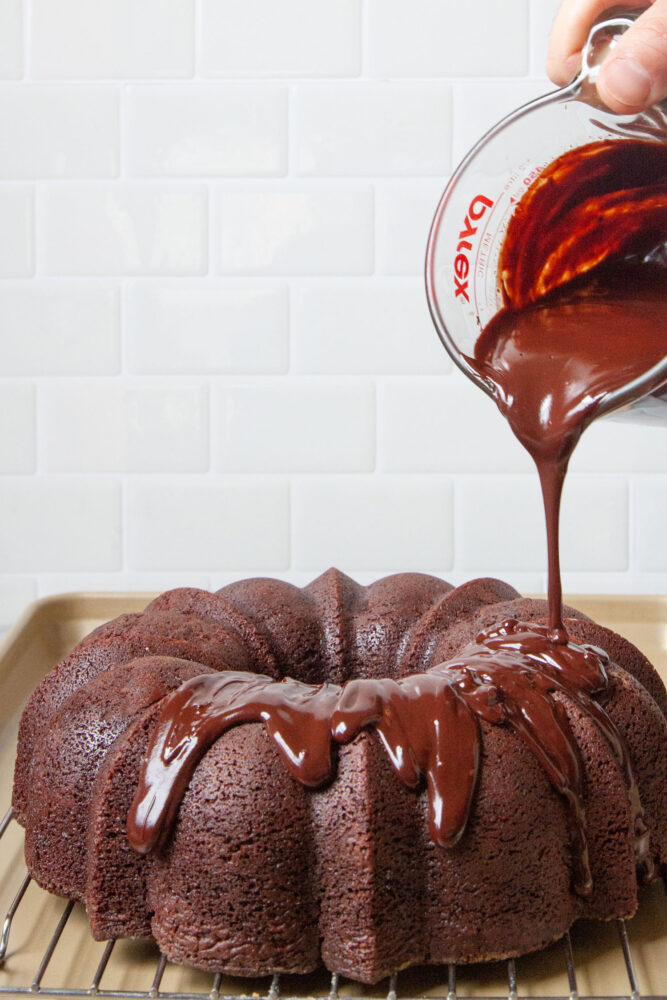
{"points": [[428, 723]]}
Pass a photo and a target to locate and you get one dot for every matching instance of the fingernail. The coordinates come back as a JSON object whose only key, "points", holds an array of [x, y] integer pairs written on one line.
{"points": [[628, 82]]}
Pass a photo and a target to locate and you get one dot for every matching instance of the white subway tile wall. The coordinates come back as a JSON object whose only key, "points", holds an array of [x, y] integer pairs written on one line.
{"points": [[293, 38], [17, 225], [261, 427], [98, 426], [208, 522], [99, 39], [379, 521], [11, 39], [403, 214], [59, 328], [207, 328], [58, 131], [503, 516], [430, 38], [295, 228], [56, 524], [376, 129], [216, 357], [480, 106], [379, 326], [226, 130], [650, 523], [17, 428], [423, 429], [124, 229]]}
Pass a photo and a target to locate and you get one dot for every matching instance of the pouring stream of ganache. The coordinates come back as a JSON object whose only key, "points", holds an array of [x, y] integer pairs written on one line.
{"points": [[583, 270]]}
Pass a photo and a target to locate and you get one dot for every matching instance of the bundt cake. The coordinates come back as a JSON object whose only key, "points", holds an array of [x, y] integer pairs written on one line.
{"points": [[265, 777]]}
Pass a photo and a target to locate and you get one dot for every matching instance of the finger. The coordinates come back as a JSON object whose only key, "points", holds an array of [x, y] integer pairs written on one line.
{"points": [[634, 75], [570, 31]]}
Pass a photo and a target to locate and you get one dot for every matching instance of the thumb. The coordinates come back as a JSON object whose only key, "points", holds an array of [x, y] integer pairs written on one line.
{"points": [[634, 75]]}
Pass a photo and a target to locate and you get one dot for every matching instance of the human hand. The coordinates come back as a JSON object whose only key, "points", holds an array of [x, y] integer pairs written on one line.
{"points": [[634, 74]]}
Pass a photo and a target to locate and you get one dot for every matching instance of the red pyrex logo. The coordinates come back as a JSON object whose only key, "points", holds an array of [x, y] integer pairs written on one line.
{"points": [[477, 209]]}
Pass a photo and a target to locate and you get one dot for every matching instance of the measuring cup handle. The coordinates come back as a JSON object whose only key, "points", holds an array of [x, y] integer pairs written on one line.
{"points": [[602, 38]]}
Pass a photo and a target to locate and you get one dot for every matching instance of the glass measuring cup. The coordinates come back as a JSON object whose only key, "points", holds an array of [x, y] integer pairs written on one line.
{"points": [[471, 219]]}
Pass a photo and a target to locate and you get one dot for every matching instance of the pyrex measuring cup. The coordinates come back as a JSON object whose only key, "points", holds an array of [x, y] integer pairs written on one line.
{"points": [[472, 217]]}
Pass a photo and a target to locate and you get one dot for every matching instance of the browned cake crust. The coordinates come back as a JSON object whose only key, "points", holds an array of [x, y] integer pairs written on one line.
{"points": [[262, 874]]}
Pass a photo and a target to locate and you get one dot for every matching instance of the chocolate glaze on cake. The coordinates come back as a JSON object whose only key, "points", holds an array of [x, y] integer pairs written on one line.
{"points": [[427, 723]]}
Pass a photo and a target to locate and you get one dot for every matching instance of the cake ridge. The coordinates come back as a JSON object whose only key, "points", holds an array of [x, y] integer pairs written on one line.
{"points": [[333, 593], [199, 603], [452, 608]]}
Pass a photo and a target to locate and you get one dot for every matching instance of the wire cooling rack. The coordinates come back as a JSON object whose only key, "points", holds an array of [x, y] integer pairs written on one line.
{"points": [[274, 987]]}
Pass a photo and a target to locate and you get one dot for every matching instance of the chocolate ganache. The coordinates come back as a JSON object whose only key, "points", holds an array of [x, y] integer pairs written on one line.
{"points": [[428, 723], [583, 270], [584, 279]]}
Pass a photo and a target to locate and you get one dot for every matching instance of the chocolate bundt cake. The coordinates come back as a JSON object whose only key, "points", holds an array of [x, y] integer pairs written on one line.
{"points": [[265, 777]]}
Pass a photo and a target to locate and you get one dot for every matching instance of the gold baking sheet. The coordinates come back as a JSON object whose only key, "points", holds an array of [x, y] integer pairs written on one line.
{"points": [[49, 629]]}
